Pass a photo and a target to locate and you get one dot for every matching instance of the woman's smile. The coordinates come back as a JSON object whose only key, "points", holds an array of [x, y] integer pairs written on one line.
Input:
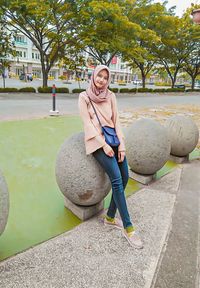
{"points": [[101, 79]]}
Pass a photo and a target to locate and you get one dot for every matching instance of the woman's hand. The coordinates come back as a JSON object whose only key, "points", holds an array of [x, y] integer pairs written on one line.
{"points": [[121, 155], [108, 150]]}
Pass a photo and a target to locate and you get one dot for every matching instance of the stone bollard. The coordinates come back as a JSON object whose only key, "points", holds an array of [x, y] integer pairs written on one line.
{"points": [[4, 203], [148, 149], [80, 178], [184, 136]]}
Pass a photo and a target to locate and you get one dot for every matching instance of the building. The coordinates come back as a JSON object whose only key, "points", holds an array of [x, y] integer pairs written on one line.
{"points": [[27, 61]]}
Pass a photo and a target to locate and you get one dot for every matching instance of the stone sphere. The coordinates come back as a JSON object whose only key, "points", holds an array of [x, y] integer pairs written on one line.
{"points": [[4, 203], [79, 176], [183, 133], [147, 145]]}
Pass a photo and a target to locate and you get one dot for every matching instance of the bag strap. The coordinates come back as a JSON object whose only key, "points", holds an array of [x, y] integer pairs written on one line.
{"points": [[95, 111]]}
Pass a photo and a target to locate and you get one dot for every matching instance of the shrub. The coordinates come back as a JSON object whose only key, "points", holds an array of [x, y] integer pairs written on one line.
{"points": [[49, 90], [124, 90], [174, 90], [62, 90], [192, 90], [132, 90], [161, 90], [8, 89], [62, 77], [27, 89], [77, 90], [44, 89], [115, 90], [145, 90]]}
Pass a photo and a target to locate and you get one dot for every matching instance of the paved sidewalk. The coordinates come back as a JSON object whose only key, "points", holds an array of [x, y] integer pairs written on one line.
{"points": [[95, 256]]}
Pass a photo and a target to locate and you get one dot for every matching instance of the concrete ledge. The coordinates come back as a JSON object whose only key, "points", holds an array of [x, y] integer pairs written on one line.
{"points": [[83, 212], [144, 179], [53, 113], [178, 159]]}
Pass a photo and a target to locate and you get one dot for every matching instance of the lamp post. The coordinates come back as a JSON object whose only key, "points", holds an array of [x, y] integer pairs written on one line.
{"points": [[3, 61]]}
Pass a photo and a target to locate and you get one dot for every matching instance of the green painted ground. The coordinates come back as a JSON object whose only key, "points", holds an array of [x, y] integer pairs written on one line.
{"points": [[27, 159]]}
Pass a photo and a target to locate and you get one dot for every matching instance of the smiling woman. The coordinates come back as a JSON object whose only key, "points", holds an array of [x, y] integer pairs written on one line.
{"points": [[98, 110]]}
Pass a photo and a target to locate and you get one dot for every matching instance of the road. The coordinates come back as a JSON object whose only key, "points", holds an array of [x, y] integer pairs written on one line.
{"points": [[22, 106]]}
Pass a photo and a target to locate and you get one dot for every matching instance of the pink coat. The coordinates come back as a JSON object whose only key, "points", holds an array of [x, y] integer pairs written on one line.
{"points": [[108, 115]]}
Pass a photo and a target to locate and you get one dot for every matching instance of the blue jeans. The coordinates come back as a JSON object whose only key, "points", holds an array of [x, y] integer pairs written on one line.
{"points": [[118, 174]]}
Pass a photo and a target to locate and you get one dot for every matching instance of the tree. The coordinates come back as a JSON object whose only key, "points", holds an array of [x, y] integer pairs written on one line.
{"points": [[192, 63], [73, 62], [103, 26], [48, 24], [138, 51], [177, 43], [6, 47]]}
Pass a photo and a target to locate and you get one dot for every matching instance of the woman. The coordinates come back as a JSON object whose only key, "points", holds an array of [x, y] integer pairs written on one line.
{"points": [[113, 160]]}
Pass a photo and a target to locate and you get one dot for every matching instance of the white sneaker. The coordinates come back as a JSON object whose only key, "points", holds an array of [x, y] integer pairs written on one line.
{"points": [[133, 238], [117, 223]]}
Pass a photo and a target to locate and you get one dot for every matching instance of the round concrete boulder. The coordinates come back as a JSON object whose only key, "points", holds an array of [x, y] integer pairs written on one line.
{"points": [[183, 133], [147, 145], [80, 177], [4, 203]]}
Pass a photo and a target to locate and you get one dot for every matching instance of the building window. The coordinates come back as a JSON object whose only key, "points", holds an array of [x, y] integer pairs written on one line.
{"points": [[37, 56], [24, 54], [32, 55], [19, 53], [20, 39]]}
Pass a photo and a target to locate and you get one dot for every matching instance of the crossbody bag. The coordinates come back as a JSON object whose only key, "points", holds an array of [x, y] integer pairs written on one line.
{"points": [[109, 132]]}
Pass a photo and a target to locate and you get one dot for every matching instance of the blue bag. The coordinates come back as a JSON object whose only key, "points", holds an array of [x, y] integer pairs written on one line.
{"points": [[109, 132], [110, 136]]}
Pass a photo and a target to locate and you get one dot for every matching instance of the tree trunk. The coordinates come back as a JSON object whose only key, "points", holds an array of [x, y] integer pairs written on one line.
{"points": [[4, 80], [45, 79], [193, 81], [4, 76], [143, 79], [173, 82], [45, 72]]}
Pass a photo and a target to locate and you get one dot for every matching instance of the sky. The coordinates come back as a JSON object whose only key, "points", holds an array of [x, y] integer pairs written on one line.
{"points": [[181, 5]]}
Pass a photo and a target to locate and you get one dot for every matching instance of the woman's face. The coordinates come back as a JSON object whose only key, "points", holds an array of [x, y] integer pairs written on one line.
{"points": [[101, 79]]}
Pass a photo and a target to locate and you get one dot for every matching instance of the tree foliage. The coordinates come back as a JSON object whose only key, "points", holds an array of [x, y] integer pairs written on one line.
{"points": [[7, 46], [138, 51], [177, 43], [104, 26], [48, 24]]}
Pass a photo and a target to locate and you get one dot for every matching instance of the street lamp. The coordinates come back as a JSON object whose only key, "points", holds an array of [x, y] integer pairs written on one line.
{"points": [[3, 61]]}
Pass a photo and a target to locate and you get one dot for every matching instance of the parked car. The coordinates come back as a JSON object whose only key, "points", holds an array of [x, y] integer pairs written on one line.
{"points": [[137, 82], [197, 86], [22, 76], [180, 86]]}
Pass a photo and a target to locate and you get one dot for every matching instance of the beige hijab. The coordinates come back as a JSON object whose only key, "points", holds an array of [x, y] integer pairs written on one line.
{"points": [[95, 94]]}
